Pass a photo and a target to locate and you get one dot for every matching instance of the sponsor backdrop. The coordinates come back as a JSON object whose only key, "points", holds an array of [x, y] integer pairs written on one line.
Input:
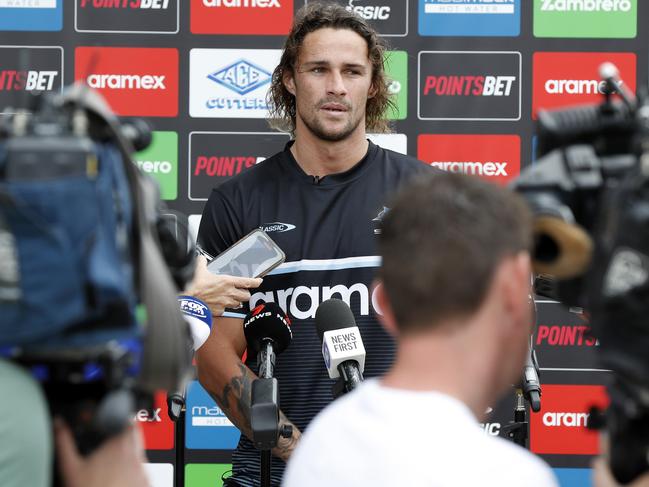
{"points": [[469, 77]]}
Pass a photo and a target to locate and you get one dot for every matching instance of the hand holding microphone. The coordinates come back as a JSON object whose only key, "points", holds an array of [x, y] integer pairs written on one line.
{"points": [[342, 345]]}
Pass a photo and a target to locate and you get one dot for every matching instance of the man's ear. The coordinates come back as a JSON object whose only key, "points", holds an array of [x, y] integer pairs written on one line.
{"points": [[515, 288], [372, 91], [289, 81], [384, 311]]}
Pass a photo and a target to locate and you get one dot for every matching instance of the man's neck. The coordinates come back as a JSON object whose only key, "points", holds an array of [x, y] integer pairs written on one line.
{"points": [[448, 364], [319, 157]]}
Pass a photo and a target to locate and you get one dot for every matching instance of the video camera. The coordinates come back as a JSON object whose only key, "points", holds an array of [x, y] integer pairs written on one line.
{"points": [[89, 266], [589, 192]]}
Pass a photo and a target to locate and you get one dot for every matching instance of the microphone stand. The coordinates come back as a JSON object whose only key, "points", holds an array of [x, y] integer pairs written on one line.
{"points": [[528, 389], [176, 410], [264, 414]]}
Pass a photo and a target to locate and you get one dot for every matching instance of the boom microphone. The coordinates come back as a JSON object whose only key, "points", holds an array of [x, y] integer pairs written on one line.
{"points": [[342, 346]]}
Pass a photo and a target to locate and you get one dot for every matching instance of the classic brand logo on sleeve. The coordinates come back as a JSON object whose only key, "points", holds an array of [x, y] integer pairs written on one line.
{"points": [[456, 85], [134, 81], [253, 17], [469, 17], [572, 78], [493, 157], [560, 427]]}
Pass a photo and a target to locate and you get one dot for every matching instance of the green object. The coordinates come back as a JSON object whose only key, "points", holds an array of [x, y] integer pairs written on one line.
{"points": [[205, 474], [160, 160], [586, 18], [396, 66]]}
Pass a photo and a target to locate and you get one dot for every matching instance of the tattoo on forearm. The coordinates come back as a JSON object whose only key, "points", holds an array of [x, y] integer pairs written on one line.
{"points": [[285, 446], [237, 393]]}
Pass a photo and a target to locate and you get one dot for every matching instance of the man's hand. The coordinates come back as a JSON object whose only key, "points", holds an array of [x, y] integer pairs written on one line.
{"points": [[219, 291], [116, 463]]}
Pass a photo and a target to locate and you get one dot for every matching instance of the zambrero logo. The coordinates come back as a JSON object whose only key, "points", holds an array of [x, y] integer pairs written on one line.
{"points": [[586, 5]]}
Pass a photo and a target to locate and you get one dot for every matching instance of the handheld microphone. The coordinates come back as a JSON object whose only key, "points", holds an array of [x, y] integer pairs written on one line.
{"points": [[530, 382], [342, 346], [199, 317], [268, 333]]}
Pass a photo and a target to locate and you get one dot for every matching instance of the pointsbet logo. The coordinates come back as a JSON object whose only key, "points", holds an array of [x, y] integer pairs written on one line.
{"points": [[134, 81], [561, 426], [137, 16], [469, 17], [585, 18], [492, 157], [160, 160], [454, 85], [572, 78], [217, 156], [254, 17], [42, 72]]}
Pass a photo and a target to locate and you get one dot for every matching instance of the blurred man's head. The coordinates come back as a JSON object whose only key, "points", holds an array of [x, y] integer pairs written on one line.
{"points": [[331, 78], [455, 254]]}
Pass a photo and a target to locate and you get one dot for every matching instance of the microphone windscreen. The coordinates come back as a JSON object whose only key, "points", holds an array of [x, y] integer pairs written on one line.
{"points": [[198, 316], [333, 314], [267, 321]]}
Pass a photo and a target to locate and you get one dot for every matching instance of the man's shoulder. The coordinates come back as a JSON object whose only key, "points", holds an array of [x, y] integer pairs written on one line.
{"points": [[519, 460]]}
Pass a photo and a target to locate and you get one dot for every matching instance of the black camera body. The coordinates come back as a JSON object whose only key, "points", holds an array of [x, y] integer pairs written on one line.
{"points": [[589, 193]]}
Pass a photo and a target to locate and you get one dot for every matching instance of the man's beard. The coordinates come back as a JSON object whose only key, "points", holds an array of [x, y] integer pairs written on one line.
{"points": [[317, 129]]}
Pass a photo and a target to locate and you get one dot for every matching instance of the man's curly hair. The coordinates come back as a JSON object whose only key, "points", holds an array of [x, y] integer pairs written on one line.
{"points": [[312, 17]]}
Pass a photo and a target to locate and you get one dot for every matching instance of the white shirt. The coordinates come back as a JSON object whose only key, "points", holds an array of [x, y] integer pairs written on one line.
{"points": [[379, 436]]}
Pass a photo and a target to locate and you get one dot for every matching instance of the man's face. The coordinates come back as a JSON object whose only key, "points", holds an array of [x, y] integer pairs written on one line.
{"points": [[331, 84]]}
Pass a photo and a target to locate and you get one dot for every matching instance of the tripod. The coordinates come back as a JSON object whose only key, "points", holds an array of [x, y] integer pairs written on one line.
{"points": [[177, 413]]}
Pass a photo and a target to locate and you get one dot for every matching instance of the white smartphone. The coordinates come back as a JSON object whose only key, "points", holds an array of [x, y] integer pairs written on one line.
{"points": [[255, 255]]}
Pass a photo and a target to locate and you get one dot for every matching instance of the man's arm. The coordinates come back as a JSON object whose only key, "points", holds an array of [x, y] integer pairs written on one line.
{"points": [[229, 381]]}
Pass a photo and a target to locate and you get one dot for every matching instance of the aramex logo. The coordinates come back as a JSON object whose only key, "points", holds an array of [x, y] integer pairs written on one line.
{"points": [[570, 420], [474, 168], [575, 86], [586, 6], [127, 81], [242, 3]]}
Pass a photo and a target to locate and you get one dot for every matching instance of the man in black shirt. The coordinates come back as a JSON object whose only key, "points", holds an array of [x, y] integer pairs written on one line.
{"points": [[321, 200]]}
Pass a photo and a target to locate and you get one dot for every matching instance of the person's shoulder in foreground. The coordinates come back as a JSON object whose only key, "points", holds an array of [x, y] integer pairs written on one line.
{"points": [[381, 436]]}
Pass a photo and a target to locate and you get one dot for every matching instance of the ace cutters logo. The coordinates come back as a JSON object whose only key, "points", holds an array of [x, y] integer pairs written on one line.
{"points": [[230, 83], [134, 81]]}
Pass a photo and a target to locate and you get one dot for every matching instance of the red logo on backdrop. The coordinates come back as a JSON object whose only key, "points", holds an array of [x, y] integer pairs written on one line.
{"points": [[134, 81], [254, 17], [493, 157], [560, 426], [571, 78], [157, 428]]}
